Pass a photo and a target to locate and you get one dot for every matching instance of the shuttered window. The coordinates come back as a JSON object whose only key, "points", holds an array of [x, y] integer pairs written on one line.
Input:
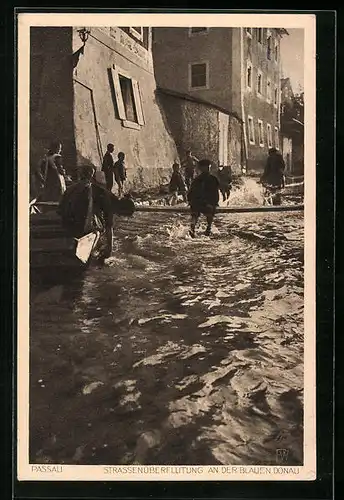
{"points": [[128, 98], [269, 135]]}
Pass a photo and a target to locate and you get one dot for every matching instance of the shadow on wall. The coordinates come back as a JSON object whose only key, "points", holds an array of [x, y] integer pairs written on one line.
{"points": [[51, 93], [145, 177], [172, 124]]}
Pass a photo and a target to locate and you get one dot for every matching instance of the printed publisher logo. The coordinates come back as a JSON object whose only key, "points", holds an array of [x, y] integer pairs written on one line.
{"points": [[282, 455]]}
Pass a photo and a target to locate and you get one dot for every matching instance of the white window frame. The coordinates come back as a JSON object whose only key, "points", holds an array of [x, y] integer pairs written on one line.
{"points": [[249, 65], [276, 47], [269, 135], [204, 32], [136, 34], [277, 145], [250, 121], [260, 136], [262, 32], [206, 87], [272, 55], [260, 73], [116, 72], [269, 98], [249, 33], [276, 91]]}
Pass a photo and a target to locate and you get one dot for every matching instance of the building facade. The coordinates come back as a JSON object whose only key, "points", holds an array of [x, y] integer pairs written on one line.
{"points": [[292, 129], [237, 69], [91, 87]]}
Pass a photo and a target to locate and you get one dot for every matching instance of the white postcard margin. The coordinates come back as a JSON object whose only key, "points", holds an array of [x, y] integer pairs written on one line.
{"points": [[56, 472]]}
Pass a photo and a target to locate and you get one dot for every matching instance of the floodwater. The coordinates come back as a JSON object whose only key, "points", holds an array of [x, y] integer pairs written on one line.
{"points": [[177, 351]]}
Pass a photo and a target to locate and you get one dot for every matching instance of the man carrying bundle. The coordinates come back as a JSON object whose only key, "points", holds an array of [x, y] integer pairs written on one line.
{"points": [[87, 206]]}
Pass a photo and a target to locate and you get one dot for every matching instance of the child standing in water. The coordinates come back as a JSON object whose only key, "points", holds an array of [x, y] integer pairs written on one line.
{"points": [[120, 172], [177, 185], [189, 165], [224, 176], [203, 197]]}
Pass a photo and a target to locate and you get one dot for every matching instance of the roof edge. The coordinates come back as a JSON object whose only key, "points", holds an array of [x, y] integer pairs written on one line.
{"points": [[198, 100]]}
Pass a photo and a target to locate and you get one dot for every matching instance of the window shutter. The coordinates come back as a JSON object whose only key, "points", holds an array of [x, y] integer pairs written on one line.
{"points": [[138, 102], [118, 93]]}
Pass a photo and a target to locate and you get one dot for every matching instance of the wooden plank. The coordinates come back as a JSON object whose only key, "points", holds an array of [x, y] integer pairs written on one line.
{"points": [[118, 94], [224, 210], [263, 208], [138, 102]]}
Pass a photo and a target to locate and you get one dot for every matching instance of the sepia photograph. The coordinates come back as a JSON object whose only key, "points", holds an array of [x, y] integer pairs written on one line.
{"points": [[167, 246]]}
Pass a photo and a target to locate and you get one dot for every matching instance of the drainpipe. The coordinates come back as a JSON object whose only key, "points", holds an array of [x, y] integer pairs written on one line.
{"points": [[242, 87]]}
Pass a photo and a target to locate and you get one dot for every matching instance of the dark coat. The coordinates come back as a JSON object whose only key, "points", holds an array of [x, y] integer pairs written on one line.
{"points": [[108, 163], [120, 171], [274, 171], [86, 207], [48, 179], [225, 177], [189, 166], [177, 183], [204, 191]]}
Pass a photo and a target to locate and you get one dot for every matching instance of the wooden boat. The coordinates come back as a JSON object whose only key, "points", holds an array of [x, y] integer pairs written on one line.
{"points": [[51, 250]]}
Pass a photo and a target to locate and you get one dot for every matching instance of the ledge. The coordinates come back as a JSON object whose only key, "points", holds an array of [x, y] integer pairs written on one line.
{"points": [[128, 124]]}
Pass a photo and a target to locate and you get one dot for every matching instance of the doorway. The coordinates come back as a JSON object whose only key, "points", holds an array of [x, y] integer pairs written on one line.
{"points": [[223, 138]]}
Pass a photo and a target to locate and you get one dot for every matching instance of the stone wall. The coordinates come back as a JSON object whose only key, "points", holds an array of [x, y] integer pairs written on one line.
{"points": [[195, 126]]}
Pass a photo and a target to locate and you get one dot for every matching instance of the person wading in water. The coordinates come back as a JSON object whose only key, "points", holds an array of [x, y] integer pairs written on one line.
{"points": [[203, 197], [224, 176], [189, 166], [86, 207], [176, 185], [273, 175]]}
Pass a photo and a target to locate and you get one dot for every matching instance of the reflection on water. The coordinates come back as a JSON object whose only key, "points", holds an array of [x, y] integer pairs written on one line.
{"points": [[177, 351]]}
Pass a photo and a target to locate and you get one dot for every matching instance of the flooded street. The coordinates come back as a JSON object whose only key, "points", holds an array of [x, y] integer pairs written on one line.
{"points": [[177, 351]]}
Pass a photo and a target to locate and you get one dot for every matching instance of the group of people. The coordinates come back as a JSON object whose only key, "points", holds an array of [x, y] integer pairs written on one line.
{"points": [[180, 185], [200, 188], [114, 169], [49, 179], [87, 205], [84, 205]]}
